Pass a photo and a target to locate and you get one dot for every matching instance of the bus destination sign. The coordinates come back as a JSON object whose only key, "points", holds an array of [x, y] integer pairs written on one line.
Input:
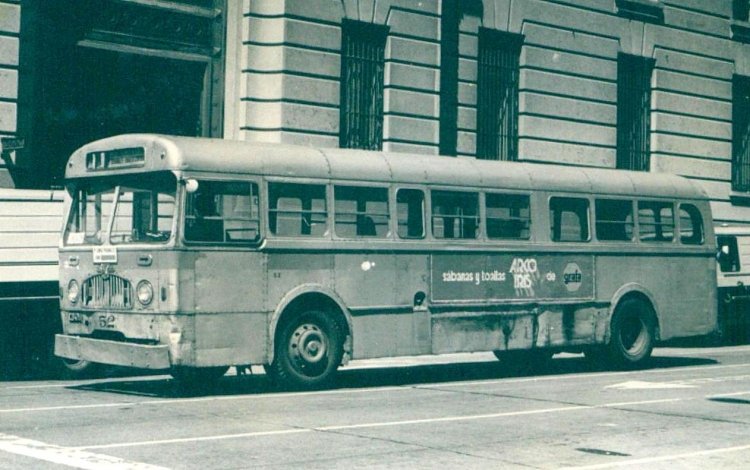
{"points": [[512, 276]]}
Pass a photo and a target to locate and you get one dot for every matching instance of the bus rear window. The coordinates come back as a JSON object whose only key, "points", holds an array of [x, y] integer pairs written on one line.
{"points": [[455, 214], [297, 209], [614, 220], [223, 212], [569, 219], [691, 225], [508, 216], [361, 212], [655, 221]]}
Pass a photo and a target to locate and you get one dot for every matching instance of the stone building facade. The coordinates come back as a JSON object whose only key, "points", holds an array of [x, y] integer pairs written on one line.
{"points": [[651, 85]]}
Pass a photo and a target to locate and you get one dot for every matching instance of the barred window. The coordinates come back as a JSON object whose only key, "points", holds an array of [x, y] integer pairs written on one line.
{"points": [[741, 133], [362, 71], [741, 10], [497, 94], [634, 112]]}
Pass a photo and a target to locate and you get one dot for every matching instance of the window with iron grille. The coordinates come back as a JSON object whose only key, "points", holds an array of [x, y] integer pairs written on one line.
{"points": [[634, 112], [497, 95], [741, 133], [362, 71], [740, 10]]}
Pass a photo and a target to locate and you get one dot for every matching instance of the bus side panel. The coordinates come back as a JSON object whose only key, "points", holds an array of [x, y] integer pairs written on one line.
{"points": [[380, 291], [230, 318], [485, 302], [686, 311]]}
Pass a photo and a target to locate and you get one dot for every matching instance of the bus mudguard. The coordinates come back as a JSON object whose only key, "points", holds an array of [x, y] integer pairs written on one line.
{"points": [[635, 288], [299, 292]]}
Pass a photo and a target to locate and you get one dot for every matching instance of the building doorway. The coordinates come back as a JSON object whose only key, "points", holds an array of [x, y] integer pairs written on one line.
{"points": [[92, 69]]}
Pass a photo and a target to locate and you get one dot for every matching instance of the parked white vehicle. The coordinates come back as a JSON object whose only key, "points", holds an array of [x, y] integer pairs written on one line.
{"points": [[733, 281]]}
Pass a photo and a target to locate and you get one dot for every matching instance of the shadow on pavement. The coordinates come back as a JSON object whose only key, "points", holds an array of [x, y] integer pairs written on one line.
{"points": [[165, 387]]}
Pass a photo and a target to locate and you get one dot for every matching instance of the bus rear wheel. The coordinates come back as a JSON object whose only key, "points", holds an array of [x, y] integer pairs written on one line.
{"points": [[308, 350], [632, 334]]}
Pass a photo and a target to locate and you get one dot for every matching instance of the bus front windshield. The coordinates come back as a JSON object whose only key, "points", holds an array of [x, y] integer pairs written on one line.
{"points": [[131, 209]]}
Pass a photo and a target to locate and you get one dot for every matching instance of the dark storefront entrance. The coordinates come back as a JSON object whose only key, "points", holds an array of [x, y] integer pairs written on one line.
{"points": [[91, 69]]}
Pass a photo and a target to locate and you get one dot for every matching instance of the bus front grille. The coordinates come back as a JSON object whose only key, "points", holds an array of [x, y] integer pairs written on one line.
{"points": [[107, 291]]}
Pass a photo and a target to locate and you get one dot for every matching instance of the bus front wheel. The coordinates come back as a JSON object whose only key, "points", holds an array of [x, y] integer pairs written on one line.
{"points": [[308, 350], [632, 333]]}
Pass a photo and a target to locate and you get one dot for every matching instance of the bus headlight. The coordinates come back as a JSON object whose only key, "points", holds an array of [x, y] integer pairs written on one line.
{"points": [[73, 291], [145, 292]]}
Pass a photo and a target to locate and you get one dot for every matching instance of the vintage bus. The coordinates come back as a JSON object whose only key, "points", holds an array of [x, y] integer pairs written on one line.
{"points": [[195, 255]]}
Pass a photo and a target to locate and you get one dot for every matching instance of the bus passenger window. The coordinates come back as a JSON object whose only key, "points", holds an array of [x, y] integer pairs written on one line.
{"points": [[614, 220], [361, 212], [508, 216], [223, 212], [691, 225], [655, 221], [410, 208], [569, 219], [297, 209], [455, 214]]}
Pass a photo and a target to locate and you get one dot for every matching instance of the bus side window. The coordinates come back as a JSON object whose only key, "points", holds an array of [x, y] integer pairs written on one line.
{"points": [[361, 212], [223, 212], [297, 209], [455, 214], [410, 209], [569, 219], [691, 225], [655, 221], [508, 216], [614, 220]]}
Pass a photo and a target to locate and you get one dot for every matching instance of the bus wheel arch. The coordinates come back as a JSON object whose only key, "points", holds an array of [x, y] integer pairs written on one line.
{"points": [[633, 329], [309, 337]]}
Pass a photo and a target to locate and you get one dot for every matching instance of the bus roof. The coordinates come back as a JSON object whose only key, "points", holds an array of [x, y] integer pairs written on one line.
{"points": [[193, 154]]}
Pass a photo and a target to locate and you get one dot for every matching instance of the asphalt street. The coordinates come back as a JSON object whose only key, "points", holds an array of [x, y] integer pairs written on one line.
{"points": [[689, 409]]}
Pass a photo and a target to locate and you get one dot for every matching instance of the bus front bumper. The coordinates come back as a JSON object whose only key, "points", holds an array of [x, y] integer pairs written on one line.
{"points": [[142, 356]]}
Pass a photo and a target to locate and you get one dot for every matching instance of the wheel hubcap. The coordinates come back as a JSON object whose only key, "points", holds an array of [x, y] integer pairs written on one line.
{"points": [[308, 347]]}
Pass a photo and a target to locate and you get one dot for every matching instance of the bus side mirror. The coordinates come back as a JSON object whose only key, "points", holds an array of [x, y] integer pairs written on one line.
{"points": [[191, 185]]}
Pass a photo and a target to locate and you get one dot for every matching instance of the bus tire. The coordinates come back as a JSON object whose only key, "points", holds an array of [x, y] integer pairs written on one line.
{"points": [[72, 369], [197, 376], [308, 350], [632, 334]]}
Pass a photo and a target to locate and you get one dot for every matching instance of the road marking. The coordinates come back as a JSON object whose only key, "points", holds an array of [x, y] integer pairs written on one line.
{"points": [[641, 385], [68, 456], [344, 427], [734, 394], [661, 458]]}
